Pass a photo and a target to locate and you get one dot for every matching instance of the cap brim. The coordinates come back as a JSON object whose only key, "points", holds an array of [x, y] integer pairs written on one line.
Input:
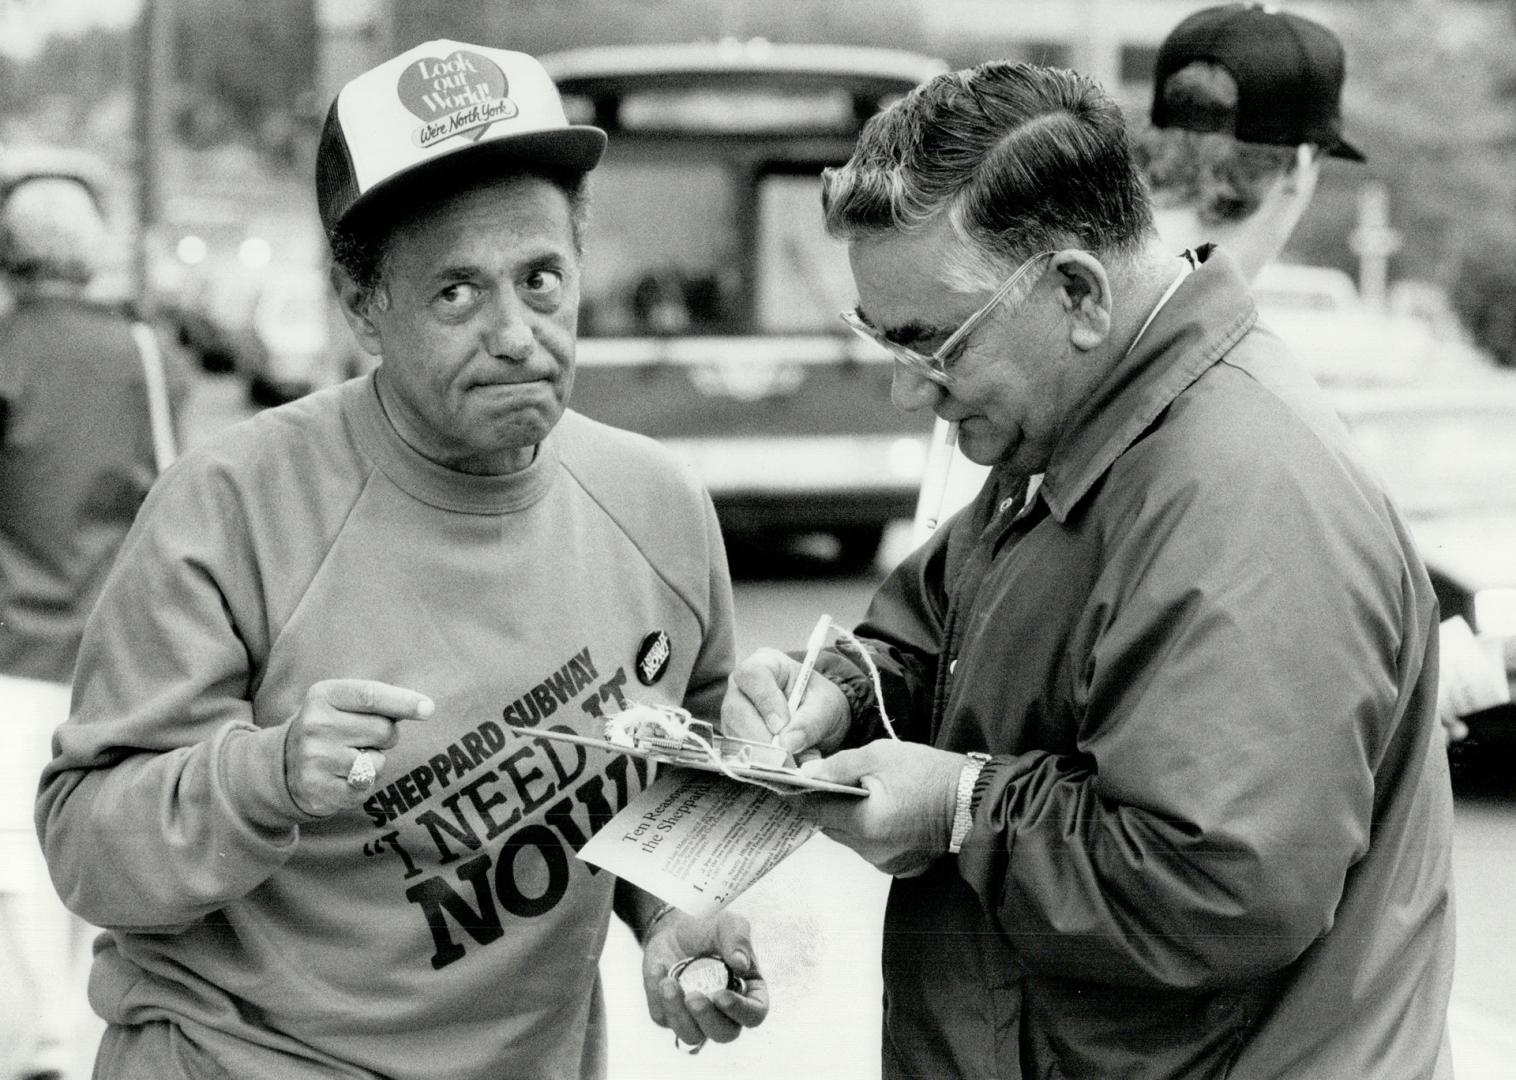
{"points": [[1347, 151], [577, 148]]}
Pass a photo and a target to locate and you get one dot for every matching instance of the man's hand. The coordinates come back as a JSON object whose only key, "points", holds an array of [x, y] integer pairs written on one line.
{"points": [[905, 823], [1474, 673], [340, 718], [756, 708], [697, 1017]]}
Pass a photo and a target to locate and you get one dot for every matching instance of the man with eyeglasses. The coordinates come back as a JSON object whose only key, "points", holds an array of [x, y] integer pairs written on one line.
{"points": [[1169, 798]]}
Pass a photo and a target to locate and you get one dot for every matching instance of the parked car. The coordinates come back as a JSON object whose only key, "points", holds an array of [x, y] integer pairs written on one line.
{"points": [[711, 293], [1447, 452], [1446, 449], [1318, 312], [274, 325]]}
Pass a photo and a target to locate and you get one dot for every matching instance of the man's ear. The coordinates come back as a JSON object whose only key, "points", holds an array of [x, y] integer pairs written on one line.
{"points": [[1084, 290], [356, 303]]}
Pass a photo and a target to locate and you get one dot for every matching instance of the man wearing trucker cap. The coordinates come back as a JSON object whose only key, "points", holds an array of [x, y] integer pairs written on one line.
{"points": [[288, 789]]}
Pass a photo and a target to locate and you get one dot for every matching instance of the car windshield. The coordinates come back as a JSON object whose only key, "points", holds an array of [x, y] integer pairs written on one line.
{"points": [[663, 253], [1442, 461]]}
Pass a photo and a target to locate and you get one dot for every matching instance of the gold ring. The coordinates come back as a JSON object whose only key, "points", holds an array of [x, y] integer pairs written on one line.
{"points": [[362, 774]]}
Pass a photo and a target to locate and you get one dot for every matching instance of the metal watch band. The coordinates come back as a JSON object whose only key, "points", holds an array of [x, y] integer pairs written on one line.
{"points": [[963, 814]]}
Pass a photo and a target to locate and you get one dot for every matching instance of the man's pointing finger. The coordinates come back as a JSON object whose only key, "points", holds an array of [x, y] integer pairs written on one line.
{"points": [[374, 698]]}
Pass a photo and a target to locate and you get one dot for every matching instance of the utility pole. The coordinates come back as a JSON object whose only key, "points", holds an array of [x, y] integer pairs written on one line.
{"points": [[1374, 241], [1097, 48], [154, 78]]}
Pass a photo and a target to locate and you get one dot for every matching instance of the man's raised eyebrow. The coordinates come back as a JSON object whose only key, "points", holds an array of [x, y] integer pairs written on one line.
{"points": [[457, 272]]}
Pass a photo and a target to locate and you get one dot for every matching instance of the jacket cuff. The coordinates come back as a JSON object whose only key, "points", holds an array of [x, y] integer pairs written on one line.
{"points": [[982, 782], [858, 689]]}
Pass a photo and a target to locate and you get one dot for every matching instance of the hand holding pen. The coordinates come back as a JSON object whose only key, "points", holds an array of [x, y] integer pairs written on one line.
{"points": [[813, 647], [770, 697]]}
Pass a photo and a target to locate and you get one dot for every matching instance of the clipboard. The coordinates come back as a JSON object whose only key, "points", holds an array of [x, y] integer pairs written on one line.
{"points": [[784, 776]]}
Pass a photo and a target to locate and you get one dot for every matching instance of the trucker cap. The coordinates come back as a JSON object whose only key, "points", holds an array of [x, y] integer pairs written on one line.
{"points": [[1288, 70], [444, 102]]}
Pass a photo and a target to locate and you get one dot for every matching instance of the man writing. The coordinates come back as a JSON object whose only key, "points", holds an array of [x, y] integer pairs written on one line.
{"points": [[286, 789], [1170, 800]]}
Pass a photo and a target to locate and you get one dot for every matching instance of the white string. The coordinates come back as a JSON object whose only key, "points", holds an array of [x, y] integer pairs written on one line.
{"points": [[621, 729], [868, 662]]}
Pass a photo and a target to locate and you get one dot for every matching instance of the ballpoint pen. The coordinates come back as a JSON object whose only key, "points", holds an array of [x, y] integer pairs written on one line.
{"points": [[808, 665]]}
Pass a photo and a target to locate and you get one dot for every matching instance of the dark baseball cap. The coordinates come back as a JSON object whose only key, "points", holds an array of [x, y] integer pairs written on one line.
{"points": [[1288, 69], [443, 103]]}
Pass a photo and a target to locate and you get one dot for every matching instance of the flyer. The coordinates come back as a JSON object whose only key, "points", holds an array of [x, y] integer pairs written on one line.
{"points": [[698, 840]]}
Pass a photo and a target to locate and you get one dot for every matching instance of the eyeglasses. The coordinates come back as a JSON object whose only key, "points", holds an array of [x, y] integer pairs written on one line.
{"points": [[934, 367]]}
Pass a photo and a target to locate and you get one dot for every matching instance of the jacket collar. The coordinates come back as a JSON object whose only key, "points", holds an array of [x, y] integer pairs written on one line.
{"points": [[1206, 316]]}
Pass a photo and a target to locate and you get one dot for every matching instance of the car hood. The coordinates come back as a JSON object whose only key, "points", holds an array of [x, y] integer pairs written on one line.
{"points": [[1476, 548]]}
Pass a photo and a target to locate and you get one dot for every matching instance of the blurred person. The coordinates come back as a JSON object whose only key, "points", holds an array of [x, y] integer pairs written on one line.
{"points": [[1247, 105], [77, 456], [285, 789], [1168, 798]]}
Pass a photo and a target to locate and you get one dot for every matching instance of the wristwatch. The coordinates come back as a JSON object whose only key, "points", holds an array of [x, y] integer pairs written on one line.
{"points": [[963, 814]]}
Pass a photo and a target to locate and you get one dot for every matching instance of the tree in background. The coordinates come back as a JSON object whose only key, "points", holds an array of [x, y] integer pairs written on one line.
{"points": [[1431, 98], [243, 73], [65, 87], [247, 71]]}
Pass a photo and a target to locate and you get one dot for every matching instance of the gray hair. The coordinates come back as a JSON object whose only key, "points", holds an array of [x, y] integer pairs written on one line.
{"points": [[1019, 158], [1221, 179], [51, 230]]}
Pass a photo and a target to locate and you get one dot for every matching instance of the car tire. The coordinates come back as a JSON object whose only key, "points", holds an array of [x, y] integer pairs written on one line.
{"points": [[858, 546]]}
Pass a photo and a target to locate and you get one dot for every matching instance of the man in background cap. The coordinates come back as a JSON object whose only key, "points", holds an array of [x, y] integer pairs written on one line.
{"points": [[287, 789], [1247, 104], [1246, 108]]}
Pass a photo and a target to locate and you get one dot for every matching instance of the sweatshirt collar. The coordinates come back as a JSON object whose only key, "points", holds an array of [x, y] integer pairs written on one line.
{"points": [[434, 484], [1208, 314]]}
